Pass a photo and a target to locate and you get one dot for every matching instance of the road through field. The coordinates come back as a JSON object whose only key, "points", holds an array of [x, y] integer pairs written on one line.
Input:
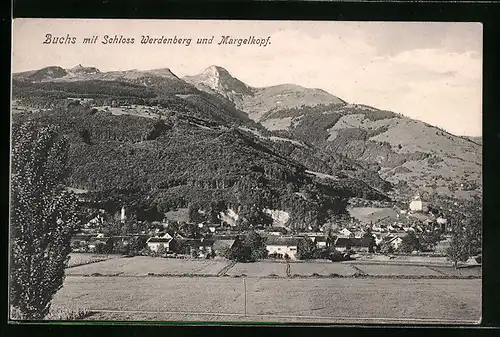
{"points": [[274, 300]]}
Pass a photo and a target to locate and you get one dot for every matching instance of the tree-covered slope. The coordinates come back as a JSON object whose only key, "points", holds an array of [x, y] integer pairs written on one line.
{"points": [[181, 160]]}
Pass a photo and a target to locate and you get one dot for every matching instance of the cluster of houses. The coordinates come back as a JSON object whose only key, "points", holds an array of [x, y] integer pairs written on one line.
{"points": [[217, 245], [280, 242]]}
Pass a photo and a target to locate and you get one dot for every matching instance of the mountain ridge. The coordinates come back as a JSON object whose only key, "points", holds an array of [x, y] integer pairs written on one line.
{"points": [[257, 100], [411, 154]]}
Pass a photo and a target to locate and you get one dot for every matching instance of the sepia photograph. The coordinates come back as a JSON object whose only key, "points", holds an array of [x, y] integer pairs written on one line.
{"points": [[325, 172]]}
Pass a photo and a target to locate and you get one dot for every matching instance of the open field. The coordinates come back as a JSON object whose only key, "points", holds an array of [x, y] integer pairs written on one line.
{"points": [[279, 300], [321, 268], [114, 265], [464, 272], [144, 265], [414, 260], [258, 269], [376, 270], [78, 259]]}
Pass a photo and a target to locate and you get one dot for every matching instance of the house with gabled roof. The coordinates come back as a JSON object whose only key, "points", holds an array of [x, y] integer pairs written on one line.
{"points": [[322, 241], [196, 247], [165, 240], [345, 232], [282, 246], [357, 244]]}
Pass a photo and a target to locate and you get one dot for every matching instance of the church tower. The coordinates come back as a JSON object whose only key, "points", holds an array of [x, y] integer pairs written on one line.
{"points": [[122, 215]]}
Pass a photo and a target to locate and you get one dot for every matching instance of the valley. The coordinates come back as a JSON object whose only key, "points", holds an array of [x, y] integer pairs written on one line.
{"points": [[208, 182]]}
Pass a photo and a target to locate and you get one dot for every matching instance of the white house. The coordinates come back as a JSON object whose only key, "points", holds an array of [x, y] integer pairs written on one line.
{"points": [[283, 246], [417, 205], [442, 222], [345, 232], [320, 241], [155, 242]]}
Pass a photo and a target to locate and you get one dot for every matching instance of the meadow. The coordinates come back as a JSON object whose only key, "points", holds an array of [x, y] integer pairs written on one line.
{"points": [[259, 269], [79, 259], [144, 265], [115, 265], [157, 289], [273, 299], [393, 270]]}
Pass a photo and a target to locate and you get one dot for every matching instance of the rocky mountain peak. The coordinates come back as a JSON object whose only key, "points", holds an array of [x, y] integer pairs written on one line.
{"points": [[79, 69], [221, 81]]}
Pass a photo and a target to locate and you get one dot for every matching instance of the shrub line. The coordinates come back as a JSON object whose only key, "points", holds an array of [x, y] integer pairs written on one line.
{"points": [[296, 276]]}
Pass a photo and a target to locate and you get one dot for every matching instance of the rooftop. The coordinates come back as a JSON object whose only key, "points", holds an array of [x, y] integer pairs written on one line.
{"points": [[159, 240], [197, 242], [219, 244], [282, 241], [352, 242]]}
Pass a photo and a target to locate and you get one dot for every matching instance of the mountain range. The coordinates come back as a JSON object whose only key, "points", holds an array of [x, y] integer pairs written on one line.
{"points": [[406, 151], [304, 146]]}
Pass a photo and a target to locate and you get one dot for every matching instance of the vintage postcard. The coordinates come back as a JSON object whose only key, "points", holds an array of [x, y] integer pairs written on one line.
{"points": [[246, 171]]}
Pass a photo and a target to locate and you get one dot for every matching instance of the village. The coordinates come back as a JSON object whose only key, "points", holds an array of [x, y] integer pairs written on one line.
{"points": [[382, 231]]}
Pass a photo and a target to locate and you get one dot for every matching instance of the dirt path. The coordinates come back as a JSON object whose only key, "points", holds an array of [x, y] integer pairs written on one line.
{"points": [[357, 269], [224, 270]]}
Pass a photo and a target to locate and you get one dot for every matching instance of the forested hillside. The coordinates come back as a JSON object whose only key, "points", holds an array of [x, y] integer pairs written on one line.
{"points": [[180, 161]]}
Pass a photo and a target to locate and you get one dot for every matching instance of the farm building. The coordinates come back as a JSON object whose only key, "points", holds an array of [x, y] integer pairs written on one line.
{"points": [[357, 244], [321, 241], [282, 246], [166, 241], [195, 247]]}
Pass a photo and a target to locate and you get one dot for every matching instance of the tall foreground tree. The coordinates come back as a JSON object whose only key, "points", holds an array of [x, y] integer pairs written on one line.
{"points": [[43, 217]]}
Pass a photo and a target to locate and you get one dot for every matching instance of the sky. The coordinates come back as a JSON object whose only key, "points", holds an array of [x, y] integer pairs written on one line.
{"points": [[428, 71]]}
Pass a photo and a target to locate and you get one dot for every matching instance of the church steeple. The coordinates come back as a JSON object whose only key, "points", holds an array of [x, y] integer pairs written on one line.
{"points": [[122, 215]]}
